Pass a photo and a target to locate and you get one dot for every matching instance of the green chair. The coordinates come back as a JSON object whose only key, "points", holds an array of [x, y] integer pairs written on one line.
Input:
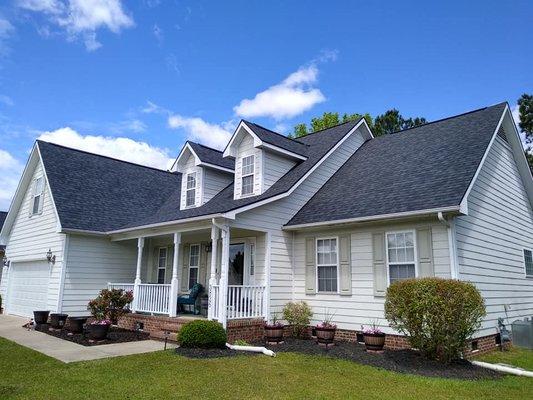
{"points": [[190, 299]]}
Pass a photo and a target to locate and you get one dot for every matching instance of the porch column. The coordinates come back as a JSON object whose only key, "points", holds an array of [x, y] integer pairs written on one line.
{"points": [[140, 245], [268, 261], [213, 273], [224, 270], [173, 300]]}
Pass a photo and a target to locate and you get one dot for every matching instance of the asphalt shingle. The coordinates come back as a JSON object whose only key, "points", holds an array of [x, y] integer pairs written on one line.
{"points": [[212, 156]]}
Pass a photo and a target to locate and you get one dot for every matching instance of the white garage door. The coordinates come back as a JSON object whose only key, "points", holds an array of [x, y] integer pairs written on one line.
{"points": [[28, 287]]}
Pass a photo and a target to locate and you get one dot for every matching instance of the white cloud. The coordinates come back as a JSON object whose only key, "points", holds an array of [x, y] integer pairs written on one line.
{"points": [[198, 130], [10, 171], [516, 118], [82, 18], [6, 30], [117, 147], [289, 98]]}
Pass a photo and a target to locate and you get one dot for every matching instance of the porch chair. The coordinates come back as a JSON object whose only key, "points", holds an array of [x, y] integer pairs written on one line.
{"points": [[190, 299]]}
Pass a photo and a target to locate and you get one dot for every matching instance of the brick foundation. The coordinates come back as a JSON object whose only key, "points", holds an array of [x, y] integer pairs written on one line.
{"points": [[250, 330]]}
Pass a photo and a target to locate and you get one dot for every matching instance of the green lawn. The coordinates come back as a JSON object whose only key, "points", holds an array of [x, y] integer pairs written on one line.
{"points": [[25, 374], [522, 358]]}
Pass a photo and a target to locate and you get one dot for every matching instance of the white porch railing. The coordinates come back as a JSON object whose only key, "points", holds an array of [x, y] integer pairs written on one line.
{"points": [[246, 301], [127, 287], [153, 298]]}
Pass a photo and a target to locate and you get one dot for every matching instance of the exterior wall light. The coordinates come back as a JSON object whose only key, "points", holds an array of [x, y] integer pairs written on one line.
{"points": [[50, 257]]}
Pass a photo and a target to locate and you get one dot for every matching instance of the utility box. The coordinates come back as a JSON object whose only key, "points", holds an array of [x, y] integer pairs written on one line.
{"points": [[523, 333]]}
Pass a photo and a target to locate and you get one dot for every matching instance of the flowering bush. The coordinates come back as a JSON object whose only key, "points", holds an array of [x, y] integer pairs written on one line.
{"points": [[298, 315], [371, 330], [101, 322], [110, 304], [276, 322], [326, 322]]}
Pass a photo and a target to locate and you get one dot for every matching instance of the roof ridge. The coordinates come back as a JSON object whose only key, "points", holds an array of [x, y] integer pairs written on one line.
{"points": [[277, 133], [331, 127], [103, 156], [447, 118]]}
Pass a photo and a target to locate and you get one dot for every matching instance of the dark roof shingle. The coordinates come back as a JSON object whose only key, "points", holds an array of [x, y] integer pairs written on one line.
{"points": [[427, 167], [278, 140], [212, 156]]}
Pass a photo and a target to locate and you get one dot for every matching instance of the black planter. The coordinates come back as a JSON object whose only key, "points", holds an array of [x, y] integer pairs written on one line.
{"points": [[97, 331], [40, 317], [57, 321], [75, 324]]}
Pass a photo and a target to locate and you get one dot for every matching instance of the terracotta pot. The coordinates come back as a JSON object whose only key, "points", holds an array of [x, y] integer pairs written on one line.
{"points": [[40, 317], [57, 321], [97, 331], [374, 341], [325, 335], [75, 324], [274, 333]]}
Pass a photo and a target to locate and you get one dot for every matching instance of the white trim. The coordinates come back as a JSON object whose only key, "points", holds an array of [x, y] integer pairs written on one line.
{"points": [[337, 244], [208, 165], [187, 189], [253, 175], [452, 243], [231, 214], [268, 268], [158, 267], [173, 222], [373, 218], [33, 195], [193, 266], [282, 151], [47, 184], [524, 258], [464, 200], [63, 274], [415, 252]]}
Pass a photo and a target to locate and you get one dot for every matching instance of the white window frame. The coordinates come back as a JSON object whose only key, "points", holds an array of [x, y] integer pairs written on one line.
{"points": [[159, 267], [197, 267], [251, 267], [187, 189], [34, 195], [336, 238], [243, 175], [524, 258], [415, 253]]}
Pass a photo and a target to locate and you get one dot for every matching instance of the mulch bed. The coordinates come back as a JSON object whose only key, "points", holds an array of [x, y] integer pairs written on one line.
{"points": [[211, 353], [115, 335], [403, 361]]}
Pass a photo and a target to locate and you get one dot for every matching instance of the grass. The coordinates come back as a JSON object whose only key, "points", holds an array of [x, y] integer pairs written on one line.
{"points": [[517, 357], [26, 374]]}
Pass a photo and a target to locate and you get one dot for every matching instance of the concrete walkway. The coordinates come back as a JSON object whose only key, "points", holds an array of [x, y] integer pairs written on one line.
{"points": [[63, 350]]}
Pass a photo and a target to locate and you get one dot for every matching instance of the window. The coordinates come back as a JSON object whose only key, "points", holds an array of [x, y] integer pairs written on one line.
{"points": [[190, 197], [37, 196], [162, 265], [401, 256], [194, 263], [528, 261], [252, 259], [248, 169], [326, 264]]}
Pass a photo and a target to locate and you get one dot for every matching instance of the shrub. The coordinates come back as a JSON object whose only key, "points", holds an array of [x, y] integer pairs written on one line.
{"points": [[298, 315], [438, 315], [110, 304], [202, 334]]}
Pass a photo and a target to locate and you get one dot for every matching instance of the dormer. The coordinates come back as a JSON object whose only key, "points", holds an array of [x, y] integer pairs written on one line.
{"points": [[261, 158], [204, 173]]}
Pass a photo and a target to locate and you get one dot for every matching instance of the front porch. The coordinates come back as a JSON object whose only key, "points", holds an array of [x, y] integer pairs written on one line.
{"points": [[229, 263]]}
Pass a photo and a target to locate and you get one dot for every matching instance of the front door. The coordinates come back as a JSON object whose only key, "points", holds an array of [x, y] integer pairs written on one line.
{"points": [[236, 264]]}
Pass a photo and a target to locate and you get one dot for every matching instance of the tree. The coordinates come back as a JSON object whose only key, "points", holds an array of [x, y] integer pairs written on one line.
{"points": [[392, 121], [327, 120], [525, 111]]}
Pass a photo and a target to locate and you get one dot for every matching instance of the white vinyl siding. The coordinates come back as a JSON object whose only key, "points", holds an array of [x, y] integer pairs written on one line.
{"points": [[92, 262], [31, 237], [491, 239], [214, 181], [275, 166], [187, 187], [362, 306], [245, 149], [274, 215]]}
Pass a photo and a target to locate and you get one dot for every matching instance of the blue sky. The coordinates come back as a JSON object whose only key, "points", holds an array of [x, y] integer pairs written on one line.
{"points": [[135, 79]]}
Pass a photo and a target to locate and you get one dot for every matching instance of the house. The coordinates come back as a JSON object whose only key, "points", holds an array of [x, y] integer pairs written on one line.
{"points": [[3, 215], [331, 218]]}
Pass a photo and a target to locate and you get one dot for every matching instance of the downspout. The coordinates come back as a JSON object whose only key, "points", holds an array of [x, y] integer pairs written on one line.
{"points": [[253, 349], [450, 229]]}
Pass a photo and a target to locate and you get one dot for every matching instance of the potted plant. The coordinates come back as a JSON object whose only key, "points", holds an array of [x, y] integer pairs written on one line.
{"points": [[374, 338], [40, 317], [1, 309], [75, 324], [274, 330], [98, 329], [325, 330], [57, 321]]}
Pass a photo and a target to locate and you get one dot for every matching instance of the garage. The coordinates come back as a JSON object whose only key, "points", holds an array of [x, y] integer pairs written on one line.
{"points": [[27, 287]]}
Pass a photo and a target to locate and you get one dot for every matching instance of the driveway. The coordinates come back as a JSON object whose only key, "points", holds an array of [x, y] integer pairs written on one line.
{"points": [[63, 350]]}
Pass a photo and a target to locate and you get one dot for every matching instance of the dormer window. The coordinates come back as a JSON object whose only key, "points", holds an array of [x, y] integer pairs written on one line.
{"points": [[248, 169], [190, 199]]}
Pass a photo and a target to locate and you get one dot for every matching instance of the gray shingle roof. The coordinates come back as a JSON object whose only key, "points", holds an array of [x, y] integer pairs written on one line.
{"points": [[278, 140], [212, 156], [427, 167], [3, 215]]}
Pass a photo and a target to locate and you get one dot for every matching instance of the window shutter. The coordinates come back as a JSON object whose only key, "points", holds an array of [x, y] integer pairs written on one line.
{"points": [[425, 252], [203, 267], [310, 266], [379, 264], [185, 269], [345, 265]]}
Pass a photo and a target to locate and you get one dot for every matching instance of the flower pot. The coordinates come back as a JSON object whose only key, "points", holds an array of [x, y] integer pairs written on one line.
{"points": [[40, 317], [57, 321], [325, 336], [374, 341], [98, 331], [274, 333], [75, 324]]}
